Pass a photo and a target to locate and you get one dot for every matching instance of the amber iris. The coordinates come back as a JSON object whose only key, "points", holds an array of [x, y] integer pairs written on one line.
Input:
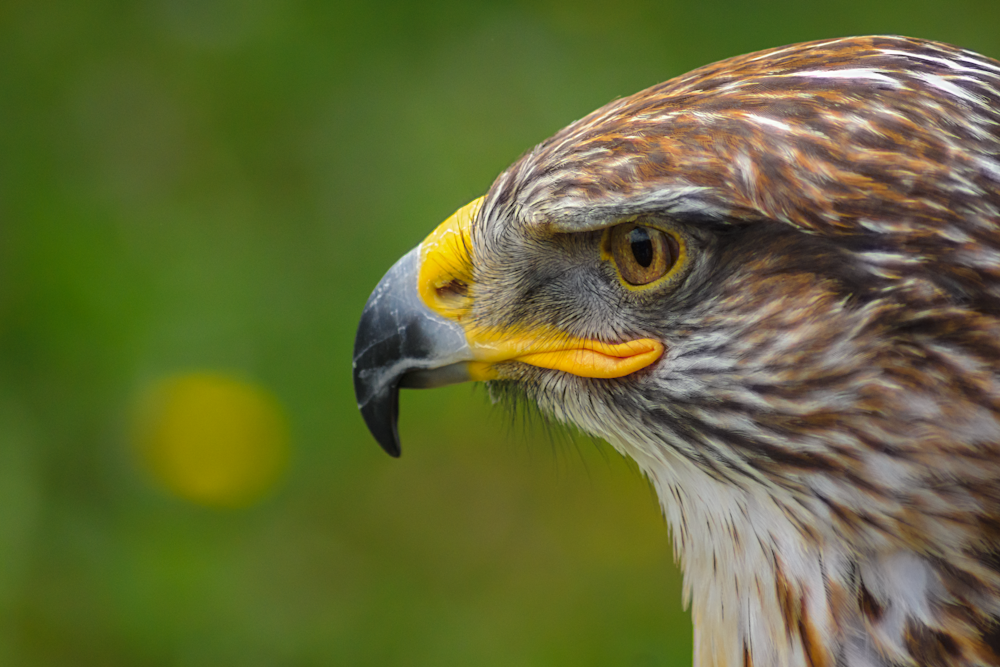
{"points": [[643, 254]]}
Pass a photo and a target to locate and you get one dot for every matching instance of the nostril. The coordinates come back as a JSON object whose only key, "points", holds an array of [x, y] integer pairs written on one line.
{"points": [[453, 288]]}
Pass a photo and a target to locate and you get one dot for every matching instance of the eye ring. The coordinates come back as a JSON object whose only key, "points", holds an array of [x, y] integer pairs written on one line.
{"points": [[641, 253]]}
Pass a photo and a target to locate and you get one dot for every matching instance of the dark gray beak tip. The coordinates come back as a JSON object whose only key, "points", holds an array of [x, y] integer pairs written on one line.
{"points": [[381, 415]]}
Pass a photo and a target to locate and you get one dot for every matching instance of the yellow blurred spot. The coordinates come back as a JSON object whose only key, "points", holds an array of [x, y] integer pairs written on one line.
{"points": [[212, 439]]}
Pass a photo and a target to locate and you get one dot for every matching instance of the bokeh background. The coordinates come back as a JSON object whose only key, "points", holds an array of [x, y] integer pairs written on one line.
{"points": [[196, 198]]}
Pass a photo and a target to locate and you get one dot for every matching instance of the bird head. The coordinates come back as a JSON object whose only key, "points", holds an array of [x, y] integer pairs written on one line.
{"points": [[774, 282]]}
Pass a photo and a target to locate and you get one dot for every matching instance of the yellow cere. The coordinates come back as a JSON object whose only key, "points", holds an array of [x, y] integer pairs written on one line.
{"points": [[444, 259], [212, 440], [445, 262]]}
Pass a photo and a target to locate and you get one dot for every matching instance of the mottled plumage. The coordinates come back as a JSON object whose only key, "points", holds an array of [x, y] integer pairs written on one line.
{"points": [[823, 427]]}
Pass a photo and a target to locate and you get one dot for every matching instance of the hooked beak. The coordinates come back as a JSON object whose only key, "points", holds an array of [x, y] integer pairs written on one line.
{"points": [[416, 331], [401, 342]]}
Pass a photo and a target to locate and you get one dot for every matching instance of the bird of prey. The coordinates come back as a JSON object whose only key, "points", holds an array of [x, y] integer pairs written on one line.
{"points": [[774, 283]]}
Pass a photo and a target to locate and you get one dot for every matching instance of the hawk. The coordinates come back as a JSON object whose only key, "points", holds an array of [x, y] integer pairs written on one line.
{"points": [[774, 283]]}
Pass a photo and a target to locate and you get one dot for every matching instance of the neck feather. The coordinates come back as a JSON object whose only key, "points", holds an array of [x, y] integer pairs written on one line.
{"points": [[765, 592]]}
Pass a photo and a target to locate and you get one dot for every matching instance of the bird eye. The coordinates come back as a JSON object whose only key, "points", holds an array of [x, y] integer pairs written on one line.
{"points": [[643, 254]]}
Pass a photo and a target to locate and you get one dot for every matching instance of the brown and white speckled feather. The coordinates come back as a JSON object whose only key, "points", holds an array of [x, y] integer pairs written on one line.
{"points": [[824, 428]]}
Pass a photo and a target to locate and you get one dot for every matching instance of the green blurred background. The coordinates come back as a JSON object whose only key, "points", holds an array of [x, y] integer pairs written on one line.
{"points": [[214, 187]]}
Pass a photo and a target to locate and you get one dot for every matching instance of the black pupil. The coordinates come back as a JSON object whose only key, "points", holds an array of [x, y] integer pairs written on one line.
{"points": [[642, 246]]}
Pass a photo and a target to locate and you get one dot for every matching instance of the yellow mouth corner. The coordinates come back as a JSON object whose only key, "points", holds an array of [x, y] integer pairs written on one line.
{"points": [[443, 284], [547, 349], [594, 359]]}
